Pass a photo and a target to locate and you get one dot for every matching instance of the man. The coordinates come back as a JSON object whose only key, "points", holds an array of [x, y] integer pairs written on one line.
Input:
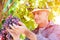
{"points": [[46, 30]]}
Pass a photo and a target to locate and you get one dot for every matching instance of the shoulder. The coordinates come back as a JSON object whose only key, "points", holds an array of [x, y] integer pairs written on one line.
{"points": [[51, 29], [57, 29], [55, 35], [52, 26]]}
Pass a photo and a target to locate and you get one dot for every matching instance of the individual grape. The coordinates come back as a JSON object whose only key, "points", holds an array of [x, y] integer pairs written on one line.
{"points": [[1, 35], [3, 31], [10, 20]]}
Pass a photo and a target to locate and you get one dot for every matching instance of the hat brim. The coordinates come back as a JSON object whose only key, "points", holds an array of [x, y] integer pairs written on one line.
{"points": [[40, 10]]}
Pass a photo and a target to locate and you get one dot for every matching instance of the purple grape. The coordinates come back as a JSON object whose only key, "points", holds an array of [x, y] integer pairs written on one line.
{"points": [[10, 20], [2, 36], [9, 37], [5, 35]]}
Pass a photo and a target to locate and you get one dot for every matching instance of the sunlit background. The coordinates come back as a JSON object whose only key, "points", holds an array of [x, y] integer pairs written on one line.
{"points": [[53, 5], [22, 9]]}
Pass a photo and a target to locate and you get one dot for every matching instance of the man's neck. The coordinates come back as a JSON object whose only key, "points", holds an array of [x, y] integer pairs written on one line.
{"points": [[42, 25]]}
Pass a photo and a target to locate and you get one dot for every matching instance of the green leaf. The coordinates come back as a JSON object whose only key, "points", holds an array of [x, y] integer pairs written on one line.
{"points": [[6, 5], [22, 37], [0, 25]]}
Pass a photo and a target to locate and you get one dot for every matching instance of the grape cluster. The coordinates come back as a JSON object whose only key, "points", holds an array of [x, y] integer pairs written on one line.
{"points": [[4, 35], [9, 21], [1, 35]]}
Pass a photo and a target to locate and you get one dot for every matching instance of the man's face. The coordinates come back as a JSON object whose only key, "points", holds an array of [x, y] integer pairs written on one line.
{"points": [[41, 18]]}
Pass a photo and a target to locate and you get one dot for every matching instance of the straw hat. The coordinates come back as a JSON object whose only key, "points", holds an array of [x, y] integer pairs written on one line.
{"points": [[40, 11]]}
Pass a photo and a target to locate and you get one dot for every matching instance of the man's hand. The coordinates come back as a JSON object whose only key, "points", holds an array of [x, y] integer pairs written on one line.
{"points": [[16, 30], [22, 29]]}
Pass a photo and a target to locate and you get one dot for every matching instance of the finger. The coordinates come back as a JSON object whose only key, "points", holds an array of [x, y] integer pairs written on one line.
{"points": [[20, 23], [17, 26], [12, 26], [12, 32], [9, 30]]}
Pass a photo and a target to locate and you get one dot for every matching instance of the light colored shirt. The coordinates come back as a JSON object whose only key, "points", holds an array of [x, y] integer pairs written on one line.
{"points": [[51, 32]]}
